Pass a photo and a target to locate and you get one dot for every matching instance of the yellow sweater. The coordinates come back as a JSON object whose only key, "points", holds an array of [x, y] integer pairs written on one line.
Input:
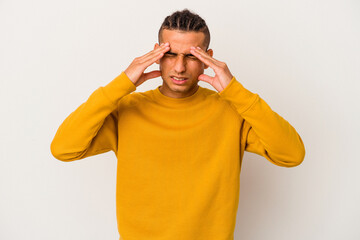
{"points": [[179, 160]]}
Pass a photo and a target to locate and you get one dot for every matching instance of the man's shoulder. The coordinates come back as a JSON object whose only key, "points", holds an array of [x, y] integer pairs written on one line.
{"points": [[209, 92], [134, 98]]}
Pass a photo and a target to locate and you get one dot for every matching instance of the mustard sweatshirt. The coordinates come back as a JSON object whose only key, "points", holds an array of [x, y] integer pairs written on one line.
{"points": [[179, 160]]}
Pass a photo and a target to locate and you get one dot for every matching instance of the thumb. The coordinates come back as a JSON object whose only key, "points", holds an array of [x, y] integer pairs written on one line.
{"points": [[205, 78], [152, 74]]}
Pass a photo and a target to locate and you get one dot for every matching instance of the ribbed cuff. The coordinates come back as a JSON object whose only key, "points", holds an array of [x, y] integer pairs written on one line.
{"points": [[119, 87], [241, 98]]}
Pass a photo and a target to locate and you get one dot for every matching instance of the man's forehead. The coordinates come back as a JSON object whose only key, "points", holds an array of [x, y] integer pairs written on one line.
{"points": [[181, 41], [179, 50]]}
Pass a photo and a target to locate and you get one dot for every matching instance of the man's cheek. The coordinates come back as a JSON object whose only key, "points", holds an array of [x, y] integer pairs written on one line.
{"points": [[163, 63], [161, 66], [200, 66]]}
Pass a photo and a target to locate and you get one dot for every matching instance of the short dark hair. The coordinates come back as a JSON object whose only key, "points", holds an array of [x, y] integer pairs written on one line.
{"points": [[186, 20]]}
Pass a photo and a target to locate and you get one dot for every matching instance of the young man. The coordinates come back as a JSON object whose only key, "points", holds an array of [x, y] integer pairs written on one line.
{"points": [[179, 146]]}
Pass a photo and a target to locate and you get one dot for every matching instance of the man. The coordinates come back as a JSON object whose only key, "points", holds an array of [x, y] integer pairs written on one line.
{"points": [[179, 146]]}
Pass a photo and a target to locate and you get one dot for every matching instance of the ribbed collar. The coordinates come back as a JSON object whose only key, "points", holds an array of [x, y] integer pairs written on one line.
{"points": [[177, 102]]}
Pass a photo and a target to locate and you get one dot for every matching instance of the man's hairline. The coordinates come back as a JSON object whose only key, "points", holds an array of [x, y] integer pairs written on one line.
{"points": [[182, 31]]}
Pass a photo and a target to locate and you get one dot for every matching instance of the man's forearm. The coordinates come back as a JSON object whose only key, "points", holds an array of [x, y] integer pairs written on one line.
{"points": [[91, 129], [280, 140]]}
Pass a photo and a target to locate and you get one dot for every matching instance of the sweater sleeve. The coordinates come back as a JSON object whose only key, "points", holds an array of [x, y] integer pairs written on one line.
{"points": [[264, 132], [92, 128]]}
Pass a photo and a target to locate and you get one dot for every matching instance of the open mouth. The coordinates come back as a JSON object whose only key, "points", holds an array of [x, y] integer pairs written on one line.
{"points": [[178, 80]]}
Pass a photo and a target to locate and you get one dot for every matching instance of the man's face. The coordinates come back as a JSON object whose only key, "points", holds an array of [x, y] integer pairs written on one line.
{"points": [[179, 62]]}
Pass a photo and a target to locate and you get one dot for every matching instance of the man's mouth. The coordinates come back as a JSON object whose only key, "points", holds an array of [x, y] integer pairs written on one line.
{"points": [[178, 80]]}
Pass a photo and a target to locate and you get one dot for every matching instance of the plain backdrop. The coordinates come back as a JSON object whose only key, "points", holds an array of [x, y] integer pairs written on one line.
{"points": [[301, 57]]}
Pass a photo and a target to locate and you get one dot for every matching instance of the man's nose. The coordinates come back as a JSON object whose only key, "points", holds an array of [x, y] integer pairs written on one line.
{"points": [[180, 64]]}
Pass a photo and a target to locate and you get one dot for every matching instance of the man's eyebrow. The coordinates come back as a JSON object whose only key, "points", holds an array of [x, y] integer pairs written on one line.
{"points": [[188, 54]]}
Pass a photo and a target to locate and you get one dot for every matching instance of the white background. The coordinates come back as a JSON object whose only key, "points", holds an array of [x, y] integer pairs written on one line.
{"points": [[301, 57]]}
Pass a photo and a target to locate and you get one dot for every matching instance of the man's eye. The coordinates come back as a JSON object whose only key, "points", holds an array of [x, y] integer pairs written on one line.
{"points": [[191, 56], [169, 54]]}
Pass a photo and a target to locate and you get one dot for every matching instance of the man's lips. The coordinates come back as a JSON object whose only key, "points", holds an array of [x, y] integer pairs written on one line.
{"points": [[180, 81], [182, 78]]}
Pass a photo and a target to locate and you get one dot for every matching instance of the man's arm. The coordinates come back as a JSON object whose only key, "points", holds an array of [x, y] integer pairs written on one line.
{"points": [[264, 132], [92, 128]]}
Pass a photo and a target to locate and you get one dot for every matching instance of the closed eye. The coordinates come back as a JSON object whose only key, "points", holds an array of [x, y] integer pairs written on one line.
{"points": [[170, 54], [191, 56], [175, 54]]}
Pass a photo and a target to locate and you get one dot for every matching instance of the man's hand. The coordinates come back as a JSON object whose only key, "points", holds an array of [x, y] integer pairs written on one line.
{"points": [[135, 71], [222, 76]]}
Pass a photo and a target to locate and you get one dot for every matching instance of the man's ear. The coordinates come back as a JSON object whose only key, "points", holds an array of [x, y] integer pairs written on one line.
{"points": [[155, 47], [210, 52]]}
